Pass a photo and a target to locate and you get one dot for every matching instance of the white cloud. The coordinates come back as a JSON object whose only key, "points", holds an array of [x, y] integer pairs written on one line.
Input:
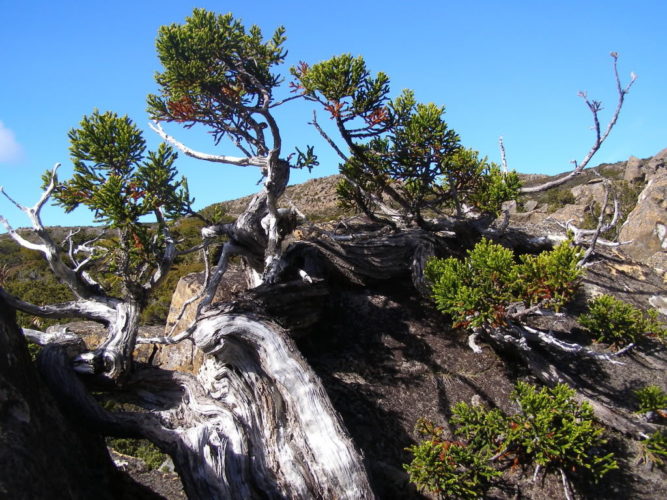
{"points": [[10, 149]]}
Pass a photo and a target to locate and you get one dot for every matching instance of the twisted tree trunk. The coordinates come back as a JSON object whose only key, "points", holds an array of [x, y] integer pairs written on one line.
{"points": [[255, 422]]}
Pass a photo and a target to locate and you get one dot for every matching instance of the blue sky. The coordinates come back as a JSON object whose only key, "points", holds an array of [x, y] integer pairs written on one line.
{"points": [[510, 69]]}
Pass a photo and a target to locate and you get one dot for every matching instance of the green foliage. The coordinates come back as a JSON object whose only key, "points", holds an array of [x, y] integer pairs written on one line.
{"points": [[551, 430], [551, 277], [451, 469], [655, 448], [48, 291], [212, 64], [476, 292], [651, 398], [347, 87], [482, 428], [121, 184], [618, 323], [495, 187], [556, 432], [218, 74], [115, 178], [23, 269], [139, 448], [558, 198], [401, 150]]}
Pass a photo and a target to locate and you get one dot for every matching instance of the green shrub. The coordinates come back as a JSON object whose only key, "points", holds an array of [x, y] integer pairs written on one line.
{"points": [[482, 428], [655, 448], [474, 291], [551, 276], [558, 198], [496, 187], [551, 430], [449, 468], [618, 323], [477, 290], [39, 289], [557, 432], [651, 398], [139, 448]]}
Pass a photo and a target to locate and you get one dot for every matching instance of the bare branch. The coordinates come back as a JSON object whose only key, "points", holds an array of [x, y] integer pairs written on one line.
{"points": [[83, 248], [595, 107], [503, 158], [170, 253], [91, 309], [601, 226], [17, 237], [327, 138], [80, 286], [58, 336], [566, 484], [472, 338], [228, 250], [287, 99], [548, 339], [591, 237], [231, 160], [171, 338]]}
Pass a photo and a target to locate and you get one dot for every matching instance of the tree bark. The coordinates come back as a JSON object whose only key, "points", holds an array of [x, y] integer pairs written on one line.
{"points": [[43, 454], [255, 422]]}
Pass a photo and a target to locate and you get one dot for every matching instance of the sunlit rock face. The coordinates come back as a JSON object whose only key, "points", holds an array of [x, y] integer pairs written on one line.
{"points": [[646, 225], [185, 356]]}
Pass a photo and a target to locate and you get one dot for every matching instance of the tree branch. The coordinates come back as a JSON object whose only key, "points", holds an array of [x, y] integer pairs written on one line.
{"points": [[58, 336], [231, 160], [90, 309], [52, 253], [594, 106], [548, 339]]}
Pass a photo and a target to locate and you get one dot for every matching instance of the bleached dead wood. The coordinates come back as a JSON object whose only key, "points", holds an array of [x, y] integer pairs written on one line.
{"points": [[255, 422], [595, 107]]}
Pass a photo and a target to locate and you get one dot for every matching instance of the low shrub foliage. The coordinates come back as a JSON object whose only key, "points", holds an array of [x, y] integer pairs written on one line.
{"points": [[655, 448], [139, 448], [551, 430], [477, 291], [651, 398], [618, 323], [451, 469]]}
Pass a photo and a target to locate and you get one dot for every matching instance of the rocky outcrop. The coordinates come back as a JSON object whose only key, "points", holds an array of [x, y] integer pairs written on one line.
{"points": [[592, 191], [93, 334], [633, 170], [184, 356], [42, 454], [657, 165], [646, 225], [637, 170]]}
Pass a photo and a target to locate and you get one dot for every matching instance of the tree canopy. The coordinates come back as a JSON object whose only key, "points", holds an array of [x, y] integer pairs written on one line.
{"points": [[401, 152], [257, 421]]}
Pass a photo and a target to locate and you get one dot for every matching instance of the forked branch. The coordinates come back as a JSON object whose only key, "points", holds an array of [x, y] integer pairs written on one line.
{"points": [[81, 287], [595, 107]]}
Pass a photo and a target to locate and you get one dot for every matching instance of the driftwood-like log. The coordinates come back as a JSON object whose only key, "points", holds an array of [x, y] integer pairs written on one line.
{"points": [[256, 422], [363, 259]]}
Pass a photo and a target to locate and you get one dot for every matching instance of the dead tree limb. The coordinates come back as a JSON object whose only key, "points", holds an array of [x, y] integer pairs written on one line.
{"points": [[595, 107]]}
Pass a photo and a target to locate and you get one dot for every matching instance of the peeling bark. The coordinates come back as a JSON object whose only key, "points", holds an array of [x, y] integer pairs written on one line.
{"points": [[255, 422]]}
